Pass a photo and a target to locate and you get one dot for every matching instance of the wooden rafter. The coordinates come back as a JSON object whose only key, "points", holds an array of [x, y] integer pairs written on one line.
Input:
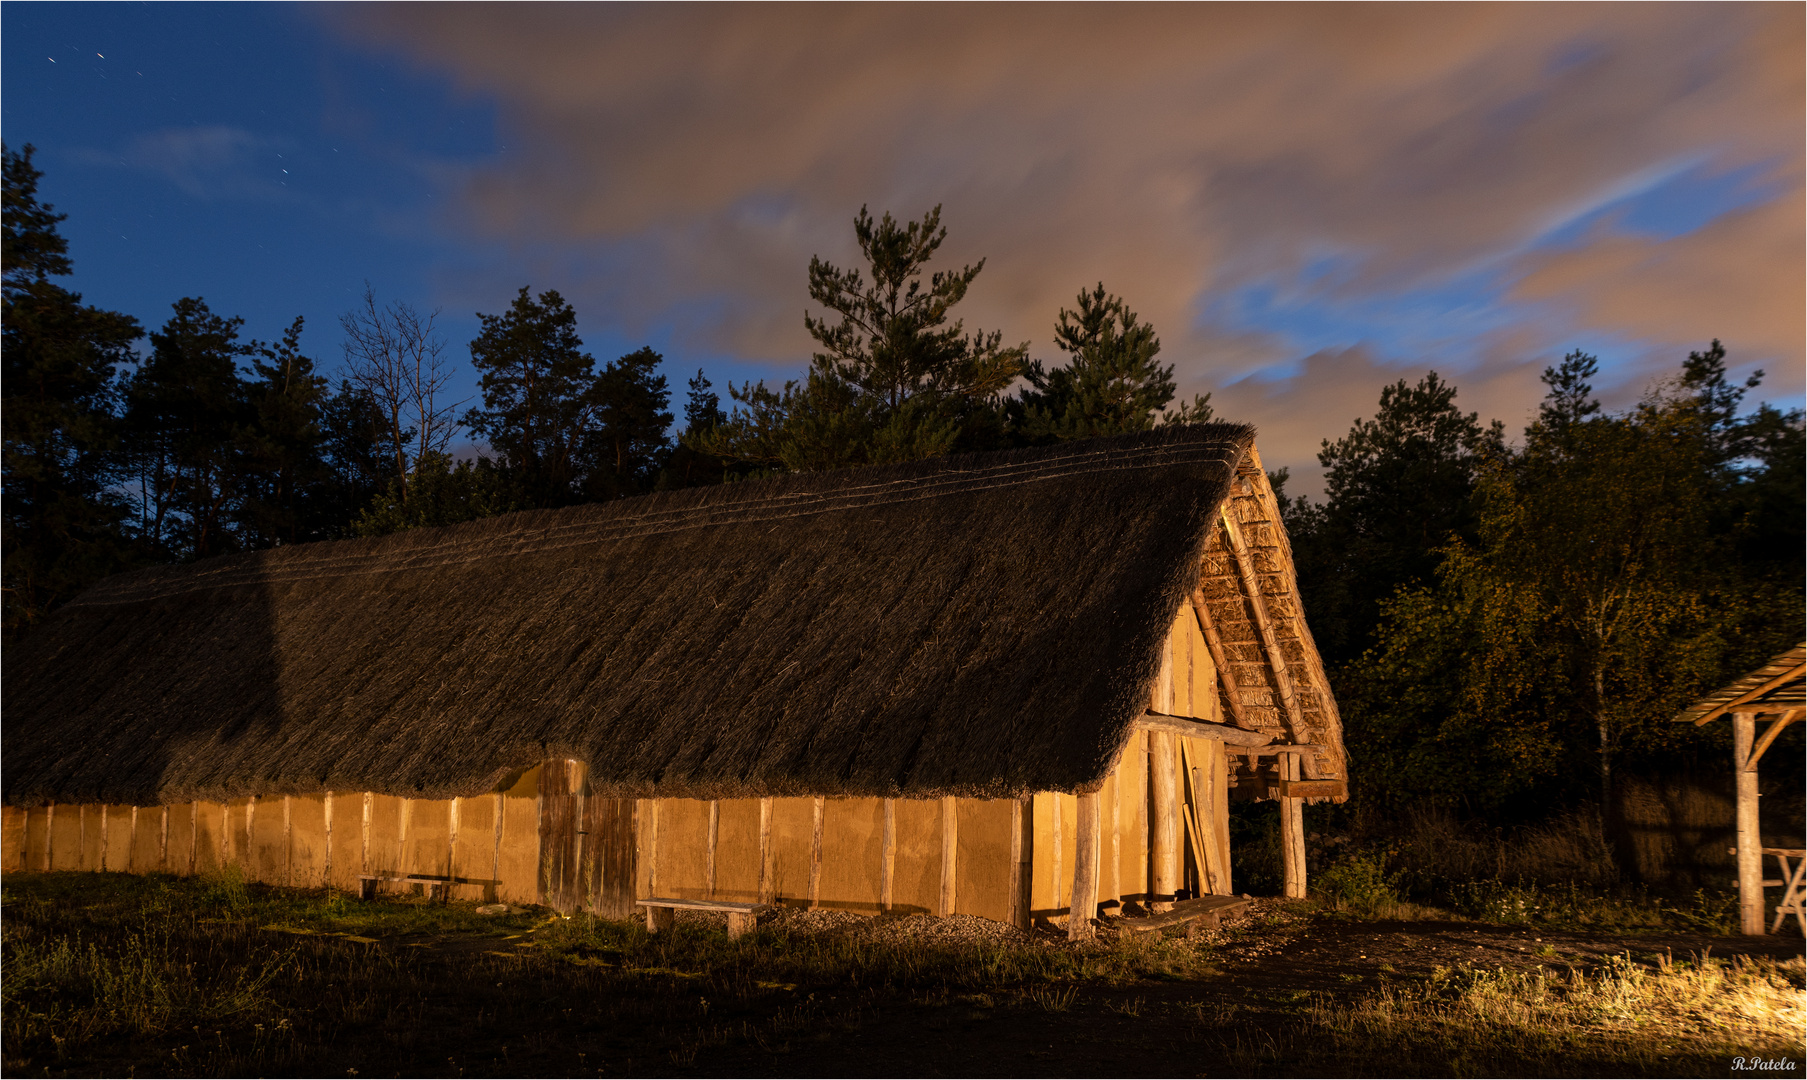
{"points": [[1264, 624], [1207, 627], [1752, 694]]}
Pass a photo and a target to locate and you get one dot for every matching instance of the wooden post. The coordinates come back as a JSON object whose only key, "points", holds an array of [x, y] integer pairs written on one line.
{"points": [[494, 891], [131, 848], [364, 850], [401, 848], [950, 842], [326, 863], [251, 838], [1115, 876], [1750, 838], [1019, 872], [100, 864], [887, 855], [1292, 833], [288, 846], [194, 834], [163, 842], [1056, 819], [715, 824], [768, 883], [49, 836], [1085, 870], [1164, 843], [227, 854], [652, 856], [451, 843], [815, 854]]}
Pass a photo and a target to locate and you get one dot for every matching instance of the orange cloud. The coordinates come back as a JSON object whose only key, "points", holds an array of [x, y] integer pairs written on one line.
{"points": [[1173, 151]]}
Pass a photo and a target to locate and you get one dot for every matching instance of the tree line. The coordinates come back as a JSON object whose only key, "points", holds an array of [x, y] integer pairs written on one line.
{"points": [[211, 442], [1511, 625]]}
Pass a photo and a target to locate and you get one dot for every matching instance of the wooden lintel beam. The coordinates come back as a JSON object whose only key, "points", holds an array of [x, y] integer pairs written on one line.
{"points": [[1207, 627], [1279, 748], [1313, 789], [1264, 625], [1201, 729]]}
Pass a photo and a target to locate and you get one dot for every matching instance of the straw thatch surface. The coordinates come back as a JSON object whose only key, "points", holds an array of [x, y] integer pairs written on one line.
{"points": [[1782, 682], [981, 626]]}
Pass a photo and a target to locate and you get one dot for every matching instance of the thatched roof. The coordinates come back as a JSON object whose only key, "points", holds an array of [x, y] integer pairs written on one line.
{"points": [[1778, 686], [986, 626]]}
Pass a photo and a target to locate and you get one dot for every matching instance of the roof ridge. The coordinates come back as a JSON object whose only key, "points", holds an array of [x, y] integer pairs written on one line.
{"points": [[781, 498]]}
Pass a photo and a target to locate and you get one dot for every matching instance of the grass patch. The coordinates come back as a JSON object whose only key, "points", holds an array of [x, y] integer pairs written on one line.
{"points": [[114, 973], [1624, 1019], [109, 974]]}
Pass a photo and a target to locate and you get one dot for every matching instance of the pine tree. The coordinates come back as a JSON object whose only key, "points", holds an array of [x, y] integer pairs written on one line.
{"points": [[1110, 385], [896, 378], [62, 525], [186, 411]]}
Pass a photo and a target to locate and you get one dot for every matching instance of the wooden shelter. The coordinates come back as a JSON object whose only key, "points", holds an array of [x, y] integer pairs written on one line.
{"points": [[1006, 684], [1778, 691]]}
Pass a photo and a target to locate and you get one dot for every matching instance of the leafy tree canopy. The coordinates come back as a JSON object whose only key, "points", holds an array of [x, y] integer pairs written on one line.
{"points": [[1397, 488]]}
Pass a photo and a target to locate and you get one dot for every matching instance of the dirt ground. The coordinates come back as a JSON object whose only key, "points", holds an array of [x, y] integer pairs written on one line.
{"points": [[406, 988], [1275, 964]]}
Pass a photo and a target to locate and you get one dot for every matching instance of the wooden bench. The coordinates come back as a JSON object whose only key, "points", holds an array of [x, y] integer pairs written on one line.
{"points": [[1206, 909], [662, 912], [1792, 901], [438, 885]]}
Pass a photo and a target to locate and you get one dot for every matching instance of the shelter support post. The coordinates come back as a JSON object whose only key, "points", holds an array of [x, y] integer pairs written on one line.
{"points": [[1292, 833], [1085, 870], [1750, 841]]}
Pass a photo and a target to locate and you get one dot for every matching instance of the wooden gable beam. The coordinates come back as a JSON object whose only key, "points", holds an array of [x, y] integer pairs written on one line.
{"points": [[1201, 729], [1264, 625], [1207, 627]]}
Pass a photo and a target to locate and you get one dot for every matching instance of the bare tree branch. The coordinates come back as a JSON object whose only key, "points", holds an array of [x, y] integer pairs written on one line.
{"points": [[395, 355]]}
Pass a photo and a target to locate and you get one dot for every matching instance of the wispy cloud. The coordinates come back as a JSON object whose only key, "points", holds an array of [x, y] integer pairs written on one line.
{"points": [[210, 163]]}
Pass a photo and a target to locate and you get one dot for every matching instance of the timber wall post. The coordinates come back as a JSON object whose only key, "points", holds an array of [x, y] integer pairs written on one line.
{"points": [[1292, 832]]}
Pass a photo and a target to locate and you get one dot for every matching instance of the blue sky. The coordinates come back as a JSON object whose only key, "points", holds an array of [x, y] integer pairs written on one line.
{"points": [[1307, 202]]}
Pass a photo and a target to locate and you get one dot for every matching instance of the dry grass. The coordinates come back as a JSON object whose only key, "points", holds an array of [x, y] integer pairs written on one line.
{"points": [[107, 974], [1638, 1020]]}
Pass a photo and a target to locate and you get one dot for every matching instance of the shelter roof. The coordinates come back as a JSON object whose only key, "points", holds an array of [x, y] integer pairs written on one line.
{"points": [[1777, 686], [986, 625]]}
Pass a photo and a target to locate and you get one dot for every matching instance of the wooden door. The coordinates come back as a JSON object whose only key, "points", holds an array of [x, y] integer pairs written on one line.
{"points": [[561, 800], [607, 865]]}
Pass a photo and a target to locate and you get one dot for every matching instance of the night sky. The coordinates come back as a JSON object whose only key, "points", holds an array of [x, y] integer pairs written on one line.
{"points": [[1307, 202]]}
